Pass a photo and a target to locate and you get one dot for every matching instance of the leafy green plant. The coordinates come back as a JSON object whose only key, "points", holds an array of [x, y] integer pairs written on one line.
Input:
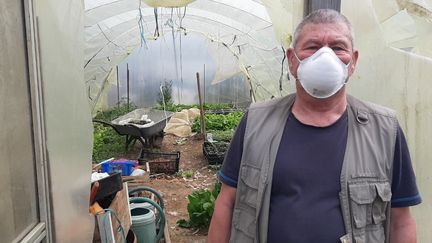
{"points": [[219, 122], [187, 174], [200, 208], [218, 106], [106, 143], [175, 107], [115, 112], [225, 136], [166, 96]]}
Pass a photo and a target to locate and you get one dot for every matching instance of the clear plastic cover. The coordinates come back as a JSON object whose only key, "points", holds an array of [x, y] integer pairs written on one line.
{"points": [[248, 38]]}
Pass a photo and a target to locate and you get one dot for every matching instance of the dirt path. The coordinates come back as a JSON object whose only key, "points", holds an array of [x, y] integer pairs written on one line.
{"points": [[175, 189]]}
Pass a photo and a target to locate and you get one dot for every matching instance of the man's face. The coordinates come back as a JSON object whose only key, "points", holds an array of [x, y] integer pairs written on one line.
{"points": [[314, 36]]}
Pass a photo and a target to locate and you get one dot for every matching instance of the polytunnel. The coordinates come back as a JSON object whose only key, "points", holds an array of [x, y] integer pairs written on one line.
{"points": [[68, 60], [238, 35]]}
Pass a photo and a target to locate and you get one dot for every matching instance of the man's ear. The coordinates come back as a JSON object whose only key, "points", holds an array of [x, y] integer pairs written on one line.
{"points": [[353, 63], [292, 62]]}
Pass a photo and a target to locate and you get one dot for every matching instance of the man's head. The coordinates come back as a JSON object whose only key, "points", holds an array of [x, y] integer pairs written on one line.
{"points": [[324, 16], [323, 28]]}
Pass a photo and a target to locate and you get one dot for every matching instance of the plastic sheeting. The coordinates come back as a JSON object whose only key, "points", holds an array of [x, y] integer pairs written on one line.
{"points": [[246, 37], [240, 38], [285, 16], [196, 56], [167, 3], [67, 117], [394, 69]]}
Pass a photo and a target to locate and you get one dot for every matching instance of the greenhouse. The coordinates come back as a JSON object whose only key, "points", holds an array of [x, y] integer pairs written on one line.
{"points": [[110, 105]]}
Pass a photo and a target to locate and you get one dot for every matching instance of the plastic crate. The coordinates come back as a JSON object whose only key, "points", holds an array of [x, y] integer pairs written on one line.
{"points": [[124, 167], [167, 163], [214, 153]]}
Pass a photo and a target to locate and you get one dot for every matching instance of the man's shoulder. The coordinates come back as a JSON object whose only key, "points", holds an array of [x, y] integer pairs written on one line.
{"points": [[276, 102], [369, 107]]}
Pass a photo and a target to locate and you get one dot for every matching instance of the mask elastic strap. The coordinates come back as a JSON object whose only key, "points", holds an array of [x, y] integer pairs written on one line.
{"points": [[347, 66], [296, 56]]}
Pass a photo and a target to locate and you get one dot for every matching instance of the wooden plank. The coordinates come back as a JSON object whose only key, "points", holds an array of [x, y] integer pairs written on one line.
{"points": [[120, 205], [166, 232], [202, 118], [132, 179], [147, 167], [105, 230]]}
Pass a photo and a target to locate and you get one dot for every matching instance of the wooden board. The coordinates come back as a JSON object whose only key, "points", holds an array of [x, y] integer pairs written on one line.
{"points": [[135, 181], [167, 237], [120, 205]]}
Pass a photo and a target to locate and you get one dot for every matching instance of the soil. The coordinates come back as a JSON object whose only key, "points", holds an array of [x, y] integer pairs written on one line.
{"points": [[175, 188]]}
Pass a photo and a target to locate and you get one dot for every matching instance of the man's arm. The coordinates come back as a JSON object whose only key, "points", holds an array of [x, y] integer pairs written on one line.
{"points": [[220, 226], [402, 226]]}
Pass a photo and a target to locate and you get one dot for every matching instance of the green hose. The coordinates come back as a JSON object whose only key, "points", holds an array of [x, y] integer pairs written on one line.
{"points": [[156, 193], [149, 189]]}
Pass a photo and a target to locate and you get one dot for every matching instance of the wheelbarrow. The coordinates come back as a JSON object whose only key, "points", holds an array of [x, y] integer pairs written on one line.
{"points": [[134, 128]]}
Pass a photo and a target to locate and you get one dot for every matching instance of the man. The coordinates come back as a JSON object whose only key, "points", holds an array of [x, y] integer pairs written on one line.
{"points": [[320, 165]]}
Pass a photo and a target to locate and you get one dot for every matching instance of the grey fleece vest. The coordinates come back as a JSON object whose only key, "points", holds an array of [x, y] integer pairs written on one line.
{"points": [[365, 177]]}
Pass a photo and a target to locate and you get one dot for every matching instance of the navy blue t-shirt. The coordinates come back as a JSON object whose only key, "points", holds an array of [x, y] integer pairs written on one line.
{"points": [[304, 204]]}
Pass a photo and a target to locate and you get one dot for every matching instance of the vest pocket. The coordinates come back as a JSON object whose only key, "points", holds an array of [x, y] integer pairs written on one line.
{"points": [[250, 177], [375, 234], [381, 203], [362, 197], [369, 202], [244, 222]]}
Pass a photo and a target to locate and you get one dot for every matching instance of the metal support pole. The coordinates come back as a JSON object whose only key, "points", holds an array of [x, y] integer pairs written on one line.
{"points": [[127, 80], [118, 87]]}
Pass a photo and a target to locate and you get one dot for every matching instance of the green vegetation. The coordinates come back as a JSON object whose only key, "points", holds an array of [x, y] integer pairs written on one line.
{"points": [[215, 167], [219, 122], [106, 142], [187, 174], [166, 95], [207, 106], [224, 136], [115, 112], [200, 208], [217, 106]]}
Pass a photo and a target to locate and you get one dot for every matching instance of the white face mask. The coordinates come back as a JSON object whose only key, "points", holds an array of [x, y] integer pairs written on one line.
{"points": [[322, 74]]}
